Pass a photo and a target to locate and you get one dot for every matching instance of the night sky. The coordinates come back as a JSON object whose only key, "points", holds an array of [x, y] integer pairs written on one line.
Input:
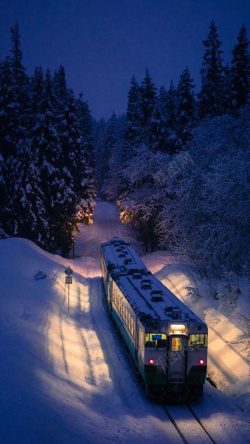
{"points": [[103, 43]]}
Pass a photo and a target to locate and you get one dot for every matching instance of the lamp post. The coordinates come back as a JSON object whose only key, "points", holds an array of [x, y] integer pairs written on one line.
{"points": [[68, 281]]}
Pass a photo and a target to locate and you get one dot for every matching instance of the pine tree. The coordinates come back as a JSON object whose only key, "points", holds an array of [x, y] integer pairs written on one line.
{"points": [[227, 90], [186, 112], [211, 100], [88, 185], [36, 90], [157, 130], [7, 115], [162, 101], [171, 107], [167, 103], [147, 103], [20, 84], [133, 114], [85, 119], [25, 206], [240, 71], [170, 116], [59, 85], [48, 155], [106, 145]]}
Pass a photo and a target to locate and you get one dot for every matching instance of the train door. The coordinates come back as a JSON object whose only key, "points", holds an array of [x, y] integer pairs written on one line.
{"points": [[137, 332], [176, 358]]}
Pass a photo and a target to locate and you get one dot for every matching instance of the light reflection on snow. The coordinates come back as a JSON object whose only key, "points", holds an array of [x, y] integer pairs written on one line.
{"points": [[74, 350]]}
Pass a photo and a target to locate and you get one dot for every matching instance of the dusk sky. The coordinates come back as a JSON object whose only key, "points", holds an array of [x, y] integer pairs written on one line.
{"points": [[103, 43]]}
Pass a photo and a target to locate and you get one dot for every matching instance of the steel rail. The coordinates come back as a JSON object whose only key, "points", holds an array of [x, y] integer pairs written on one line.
{"points": [[199, 421]]}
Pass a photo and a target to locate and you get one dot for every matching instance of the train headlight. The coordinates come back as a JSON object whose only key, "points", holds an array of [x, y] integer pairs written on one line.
{"points": [[151, 361], [201, 361], [178, 327]]}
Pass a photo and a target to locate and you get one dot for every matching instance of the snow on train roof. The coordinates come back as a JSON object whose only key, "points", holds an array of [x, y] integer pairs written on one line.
{"points": [[149, 298]]}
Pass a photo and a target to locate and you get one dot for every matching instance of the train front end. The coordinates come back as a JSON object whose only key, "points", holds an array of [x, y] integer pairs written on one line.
{"points": [[175, 360]]}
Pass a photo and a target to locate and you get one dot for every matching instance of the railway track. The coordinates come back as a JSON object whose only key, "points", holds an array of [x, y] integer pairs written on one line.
{"points": [[188, 425]]}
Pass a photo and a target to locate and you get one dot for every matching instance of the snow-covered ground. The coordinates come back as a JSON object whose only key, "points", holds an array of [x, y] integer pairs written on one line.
{"points": [[69, 379]]}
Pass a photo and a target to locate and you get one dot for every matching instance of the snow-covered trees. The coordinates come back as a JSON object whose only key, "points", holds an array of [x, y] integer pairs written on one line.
{"points": [[47, 166], [209, 217], [181, 173], [141, 203]]}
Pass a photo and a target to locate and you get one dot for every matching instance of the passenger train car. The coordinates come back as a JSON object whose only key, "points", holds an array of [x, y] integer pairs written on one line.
{"points": [[167, 341]]}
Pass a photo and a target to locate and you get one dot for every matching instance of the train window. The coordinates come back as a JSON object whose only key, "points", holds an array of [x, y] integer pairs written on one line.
{"points": [[199, 340], [142, 336], [155, 340], [176, 344], [132, 327]]}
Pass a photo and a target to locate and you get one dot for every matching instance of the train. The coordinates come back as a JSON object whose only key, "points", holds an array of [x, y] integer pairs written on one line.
{"points": [[167, 341]]}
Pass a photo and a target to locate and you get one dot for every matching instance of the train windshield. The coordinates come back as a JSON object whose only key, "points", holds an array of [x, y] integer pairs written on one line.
{"points": [[177, 344], [199, 340], [155, 340]]}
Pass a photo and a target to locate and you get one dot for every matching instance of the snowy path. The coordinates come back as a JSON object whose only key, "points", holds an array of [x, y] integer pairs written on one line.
{"points": [[106, 225], [69, 379]]}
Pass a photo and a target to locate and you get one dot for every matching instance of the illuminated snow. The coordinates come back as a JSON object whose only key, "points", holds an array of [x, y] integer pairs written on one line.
{"points": [[68, 379]]}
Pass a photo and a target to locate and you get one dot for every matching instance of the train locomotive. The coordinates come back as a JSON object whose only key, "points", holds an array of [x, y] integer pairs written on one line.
{"points": [[167, 341]]}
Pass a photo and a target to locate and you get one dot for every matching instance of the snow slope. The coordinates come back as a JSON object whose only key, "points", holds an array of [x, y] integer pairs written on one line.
{"points": [[69, 379]]}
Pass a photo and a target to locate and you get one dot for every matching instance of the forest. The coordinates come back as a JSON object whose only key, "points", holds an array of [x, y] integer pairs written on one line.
{"points": [[47, 184], [177, 163]]}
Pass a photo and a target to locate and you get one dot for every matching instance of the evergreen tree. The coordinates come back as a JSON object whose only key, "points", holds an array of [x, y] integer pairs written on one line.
{"points": [[227, 90], [27, 217], [59, 86], [48, 155], [211, 96], [20, 83], [186, 112], [147, 103], [77, 170], [171, 107], [157, 130], [85, 120], [7, 114], [170, 117], [240, 71], [106, 145], [36, 90], [133, 114], [162, 100], [88, 184]]}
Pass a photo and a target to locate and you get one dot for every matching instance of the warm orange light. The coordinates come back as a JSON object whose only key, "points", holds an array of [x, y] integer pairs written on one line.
{"points": [[178, 327]]}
